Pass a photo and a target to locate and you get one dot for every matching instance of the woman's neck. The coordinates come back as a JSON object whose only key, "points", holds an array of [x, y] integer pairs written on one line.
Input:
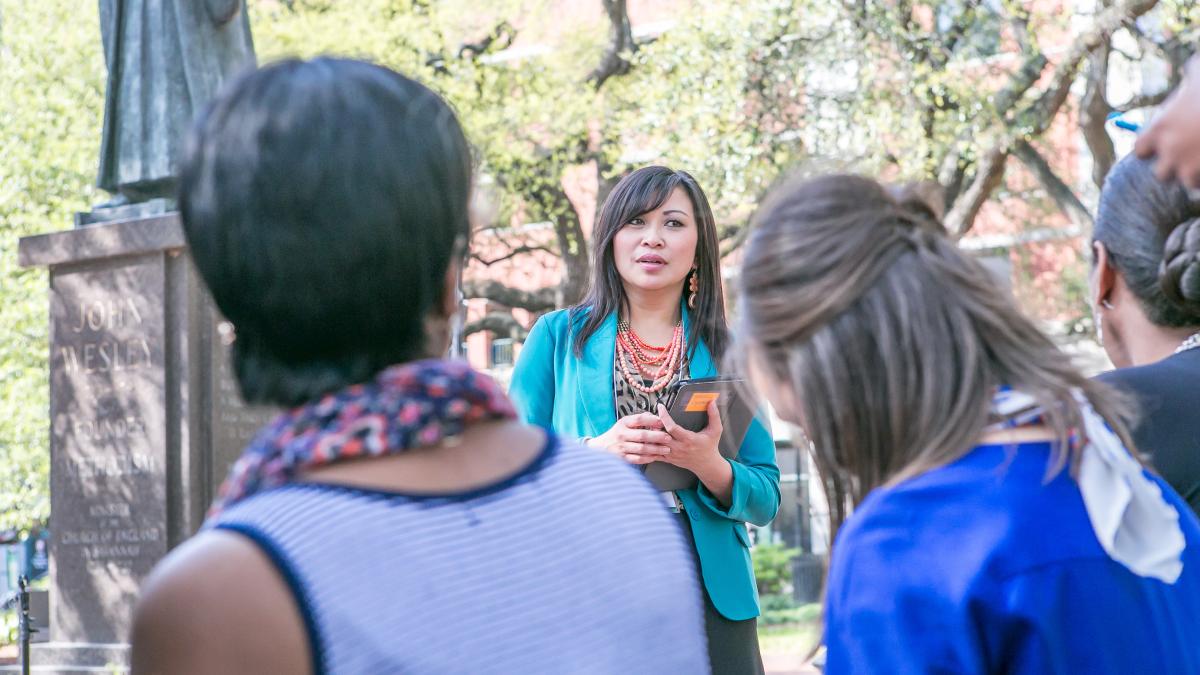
{"points": [[653, 314], [1150, 343]]}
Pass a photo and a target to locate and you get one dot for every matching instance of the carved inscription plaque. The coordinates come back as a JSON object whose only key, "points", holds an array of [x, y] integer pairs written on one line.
{"points": [[108, 441], [234, 424]]}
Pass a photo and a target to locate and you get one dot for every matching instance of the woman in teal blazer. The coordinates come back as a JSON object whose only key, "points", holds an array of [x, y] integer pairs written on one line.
{"points": [[654, 239]]}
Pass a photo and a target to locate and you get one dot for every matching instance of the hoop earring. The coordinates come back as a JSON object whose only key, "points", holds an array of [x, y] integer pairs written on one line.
{"points": [[693, 287]]}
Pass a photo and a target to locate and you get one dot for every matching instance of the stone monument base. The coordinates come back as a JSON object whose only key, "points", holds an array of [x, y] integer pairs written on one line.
{"points": [[76, 658], [145, 423], [139, 211]]}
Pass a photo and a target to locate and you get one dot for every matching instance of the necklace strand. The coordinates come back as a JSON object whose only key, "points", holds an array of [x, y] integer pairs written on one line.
{"points": [[652, 369], [1190, 342], [664, 373], [631, 356], [642, 350], [639, 348], [654, 366]]}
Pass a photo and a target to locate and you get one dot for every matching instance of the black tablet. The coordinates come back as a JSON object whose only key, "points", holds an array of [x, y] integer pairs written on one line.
{"points": [[687, 403]]}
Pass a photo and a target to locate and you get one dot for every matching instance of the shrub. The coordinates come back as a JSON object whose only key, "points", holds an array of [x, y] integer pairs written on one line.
{"points": [[773, 568]]}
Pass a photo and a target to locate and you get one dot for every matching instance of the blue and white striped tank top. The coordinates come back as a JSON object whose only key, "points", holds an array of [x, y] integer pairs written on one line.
{"points": [[571, 566]]}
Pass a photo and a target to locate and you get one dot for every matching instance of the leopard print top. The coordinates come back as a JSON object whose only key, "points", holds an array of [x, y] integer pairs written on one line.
{"points": [[630, 401]]}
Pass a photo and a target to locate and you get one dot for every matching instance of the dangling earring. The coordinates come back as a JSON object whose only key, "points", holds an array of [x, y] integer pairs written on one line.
{"points": [[1098, 320], [693, 286], [227, 333]]}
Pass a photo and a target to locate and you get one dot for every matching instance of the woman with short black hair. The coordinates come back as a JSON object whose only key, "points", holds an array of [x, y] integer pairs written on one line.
{"points": [[396, 517]]}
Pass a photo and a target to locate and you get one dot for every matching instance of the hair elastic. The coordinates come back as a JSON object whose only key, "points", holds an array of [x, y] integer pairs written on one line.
{"points": [[1118, 119]]}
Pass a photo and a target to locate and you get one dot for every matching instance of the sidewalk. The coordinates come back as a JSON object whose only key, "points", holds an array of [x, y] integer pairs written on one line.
{"points": [[786, 663]]}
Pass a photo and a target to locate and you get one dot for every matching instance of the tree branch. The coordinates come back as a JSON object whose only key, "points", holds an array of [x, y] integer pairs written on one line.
{"points": [[540, 300], [1018, 21], [1020, 82], [1039, 115], [573, 249], [538, 179], [498, 323], [732, 237], [1060, 192], [1175, 51], [614, 61], [1145, 100], [520, 250], [1128, 57], [1036, 118], [956, 32], [498, 39], [1093, 116], [952, 171], [988, 175], [1031, 68]]}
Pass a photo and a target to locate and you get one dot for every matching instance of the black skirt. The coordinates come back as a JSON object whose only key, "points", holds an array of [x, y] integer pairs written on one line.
{"points": [[732, 645]]}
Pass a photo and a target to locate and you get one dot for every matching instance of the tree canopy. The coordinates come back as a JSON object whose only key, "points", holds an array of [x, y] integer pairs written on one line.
{"points": [[977, 95]]}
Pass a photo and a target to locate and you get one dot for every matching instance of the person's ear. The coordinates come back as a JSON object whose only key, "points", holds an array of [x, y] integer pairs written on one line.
{"points": [[1104, 276], [441, 315], [450, 292]]}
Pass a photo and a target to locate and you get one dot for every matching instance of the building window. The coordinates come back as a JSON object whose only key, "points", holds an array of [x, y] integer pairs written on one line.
{"points": [[502, 353]]}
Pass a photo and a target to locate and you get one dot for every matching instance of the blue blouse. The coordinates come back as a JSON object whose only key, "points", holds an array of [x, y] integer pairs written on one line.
{"points": [[573, 395], [983, 566]]}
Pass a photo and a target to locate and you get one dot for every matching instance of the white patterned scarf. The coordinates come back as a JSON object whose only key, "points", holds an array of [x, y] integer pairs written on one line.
{"points": [[1132, 519]]}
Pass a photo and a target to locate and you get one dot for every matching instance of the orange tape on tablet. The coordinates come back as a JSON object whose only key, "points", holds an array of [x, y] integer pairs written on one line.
{"points": [[700, 400]]}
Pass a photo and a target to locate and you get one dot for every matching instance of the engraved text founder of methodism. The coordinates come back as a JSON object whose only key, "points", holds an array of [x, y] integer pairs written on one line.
{"points": [[166, 59]]}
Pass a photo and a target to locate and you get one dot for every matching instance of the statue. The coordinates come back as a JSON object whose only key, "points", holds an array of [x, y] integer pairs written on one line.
{"points": [[166, 59]]}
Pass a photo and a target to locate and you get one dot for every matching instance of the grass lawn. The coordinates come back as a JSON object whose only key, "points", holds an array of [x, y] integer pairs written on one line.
{"points": [[791, 639]]}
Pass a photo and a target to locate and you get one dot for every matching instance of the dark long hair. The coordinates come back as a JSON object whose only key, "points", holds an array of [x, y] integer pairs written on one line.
{"points": [[641, 192], [1152, 232]]}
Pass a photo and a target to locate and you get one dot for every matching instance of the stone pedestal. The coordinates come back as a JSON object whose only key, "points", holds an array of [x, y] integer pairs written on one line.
{"points": [[145, 421]]}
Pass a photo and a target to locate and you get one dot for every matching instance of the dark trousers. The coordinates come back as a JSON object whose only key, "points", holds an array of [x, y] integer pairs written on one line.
{"points": [[732, 645]]}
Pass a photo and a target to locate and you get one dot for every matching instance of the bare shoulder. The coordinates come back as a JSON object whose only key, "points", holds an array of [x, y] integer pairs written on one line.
{"points": [[217, 604]]}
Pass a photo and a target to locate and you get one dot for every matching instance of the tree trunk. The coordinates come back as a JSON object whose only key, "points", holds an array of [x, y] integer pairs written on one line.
{"points": [[1093, 115], [502, 324], [988, 175], [620, 43], [541, 300], [576, 263], [1059, 191]]}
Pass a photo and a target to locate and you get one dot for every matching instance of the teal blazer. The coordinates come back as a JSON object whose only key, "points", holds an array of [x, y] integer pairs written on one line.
{"points": [[573, 397]]}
